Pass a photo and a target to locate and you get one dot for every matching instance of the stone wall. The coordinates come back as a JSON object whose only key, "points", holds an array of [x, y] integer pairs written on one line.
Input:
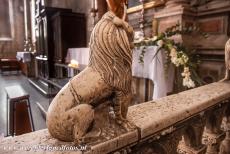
{"points": [[213, 18], [8, 48], [80, 6]]}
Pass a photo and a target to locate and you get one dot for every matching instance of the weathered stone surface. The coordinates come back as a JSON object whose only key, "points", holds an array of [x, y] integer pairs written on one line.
{"points": [[152, 119], [39, 141], [114, 144]]}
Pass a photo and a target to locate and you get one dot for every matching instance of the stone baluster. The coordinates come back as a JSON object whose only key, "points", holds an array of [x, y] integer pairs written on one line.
{"points": [[192, 138], [167, 142], [225, 145], [213, 135], [173, 3]]}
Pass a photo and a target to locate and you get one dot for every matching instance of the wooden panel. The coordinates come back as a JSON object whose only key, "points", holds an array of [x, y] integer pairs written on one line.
{"points": [[24, 68], [9, 65], [22, 121]]}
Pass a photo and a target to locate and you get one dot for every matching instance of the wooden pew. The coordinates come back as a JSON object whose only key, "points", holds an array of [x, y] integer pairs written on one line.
{"points": [[9, 64]]}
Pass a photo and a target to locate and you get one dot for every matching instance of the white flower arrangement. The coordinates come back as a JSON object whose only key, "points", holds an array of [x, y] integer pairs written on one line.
{"points": [[187, 81], [181, 59], [176, 53]]}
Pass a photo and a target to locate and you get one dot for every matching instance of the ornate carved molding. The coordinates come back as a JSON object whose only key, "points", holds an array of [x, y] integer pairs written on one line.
{"points": [[148, 5]]}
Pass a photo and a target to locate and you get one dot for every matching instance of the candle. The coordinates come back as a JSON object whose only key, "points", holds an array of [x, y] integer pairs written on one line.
{"points": [[96, 6]]}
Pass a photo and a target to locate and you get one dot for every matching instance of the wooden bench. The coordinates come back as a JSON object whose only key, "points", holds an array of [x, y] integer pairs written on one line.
{"points": [[16, 94], [9, 65]]}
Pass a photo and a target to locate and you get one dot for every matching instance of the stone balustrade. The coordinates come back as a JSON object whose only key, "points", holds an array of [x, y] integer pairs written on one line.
{"points": [[196, 121]]}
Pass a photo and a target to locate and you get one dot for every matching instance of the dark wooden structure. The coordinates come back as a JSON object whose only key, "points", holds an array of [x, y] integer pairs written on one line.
{"points": [[9, 65], [45, 41], [57, 29], [15, 95], [69, 30]]}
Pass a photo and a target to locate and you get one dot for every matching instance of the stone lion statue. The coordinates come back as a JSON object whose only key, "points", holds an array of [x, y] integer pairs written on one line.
{"points": [[104, 87], [227, 61]]}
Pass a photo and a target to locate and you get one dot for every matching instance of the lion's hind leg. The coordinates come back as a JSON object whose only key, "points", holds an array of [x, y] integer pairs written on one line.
{"points": [[83, 116]]}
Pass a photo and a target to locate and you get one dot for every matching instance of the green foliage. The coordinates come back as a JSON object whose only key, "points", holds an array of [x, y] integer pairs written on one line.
{"points": [[176, 53]]}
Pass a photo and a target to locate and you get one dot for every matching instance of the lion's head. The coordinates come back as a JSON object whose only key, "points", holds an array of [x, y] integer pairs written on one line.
{"points": [[117, 7]]}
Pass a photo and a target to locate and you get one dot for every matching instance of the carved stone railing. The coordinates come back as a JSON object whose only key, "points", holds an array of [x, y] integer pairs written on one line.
{"points": [[190, 122]]}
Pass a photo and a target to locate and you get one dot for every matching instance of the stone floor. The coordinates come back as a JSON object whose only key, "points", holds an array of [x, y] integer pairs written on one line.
{"points": [[35, 96]]}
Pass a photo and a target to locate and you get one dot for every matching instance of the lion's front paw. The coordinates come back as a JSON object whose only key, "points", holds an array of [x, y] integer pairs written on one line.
{"points": [[127, 125]]}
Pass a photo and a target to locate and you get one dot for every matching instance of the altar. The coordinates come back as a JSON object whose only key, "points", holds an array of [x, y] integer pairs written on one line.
{"points": [[152, 70], [23, 56], [24, 59]]}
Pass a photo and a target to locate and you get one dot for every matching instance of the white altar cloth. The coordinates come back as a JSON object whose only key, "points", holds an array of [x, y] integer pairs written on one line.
{"points": [[23, 56], [152, 68], [79, 54]]}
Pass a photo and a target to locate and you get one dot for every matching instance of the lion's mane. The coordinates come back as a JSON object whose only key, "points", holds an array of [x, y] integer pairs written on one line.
{"points": [[110, 53]]}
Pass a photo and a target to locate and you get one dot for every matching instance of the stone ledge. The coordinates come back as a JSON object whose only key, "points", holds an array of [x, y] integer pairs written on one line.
{"points": [[33, 142], [151, 118]]}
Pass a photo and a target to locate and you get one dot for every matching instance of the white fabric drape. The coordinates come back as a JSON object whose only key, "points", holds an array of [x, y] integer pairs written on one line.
{"points": [[23, 56], [79, 54], [153, 69]]}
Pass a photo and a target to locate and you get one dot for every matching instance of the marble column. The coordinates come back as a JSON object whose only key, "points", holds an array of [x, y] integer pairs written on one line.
{"points": [[27, 22]]}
